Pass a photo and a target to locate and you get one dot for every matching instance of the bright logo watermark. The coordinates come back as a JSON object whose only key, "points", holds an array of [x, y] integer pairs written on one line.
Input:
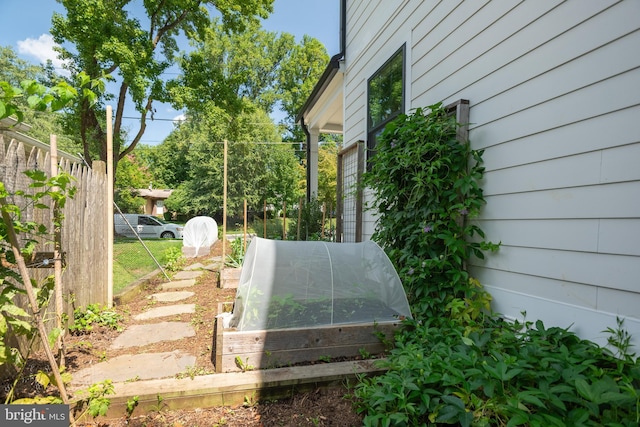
{"points": [[34, 415]]}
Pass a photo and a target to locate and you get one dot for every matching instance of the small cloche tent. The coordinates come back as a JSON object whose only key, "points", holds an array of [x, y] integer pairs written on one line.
{"points": [[199, 233], [300, 284]]}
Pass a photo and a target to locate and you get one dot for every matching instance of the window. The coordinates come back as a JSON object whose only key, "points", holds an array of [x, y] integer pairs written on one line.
{"points": [[385, 97]]}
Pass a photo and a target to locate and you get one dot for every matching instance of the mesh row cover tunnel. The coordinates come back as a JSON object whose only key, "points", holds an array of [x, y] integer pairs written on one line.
{"points": [[200, 232], [294, 284]]}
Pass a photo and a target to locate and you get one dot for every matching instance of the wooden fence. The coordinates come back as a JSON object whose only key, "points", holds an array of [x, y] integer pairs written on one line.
{"points": [[84, 231]]}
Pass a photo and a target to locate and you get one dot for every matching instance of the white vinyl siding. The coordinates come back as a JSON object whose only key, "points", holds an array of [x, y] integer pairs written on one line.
{"points": [[554, 91]]}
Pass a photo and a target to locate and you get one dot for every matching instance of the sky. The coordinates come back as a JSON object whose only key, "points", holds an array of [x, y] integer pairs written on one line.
{"points": [[25, 25]]}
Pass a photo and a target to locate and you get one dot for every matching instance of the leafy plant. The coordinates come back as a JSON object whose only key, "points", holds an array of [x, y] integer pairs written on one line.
{"points": [[174, 260], [244, 364], [427, 189], [504, 374], [14, 276], [94, 314], [96, 403], [456, 362], [236, 257], [132, 404]]}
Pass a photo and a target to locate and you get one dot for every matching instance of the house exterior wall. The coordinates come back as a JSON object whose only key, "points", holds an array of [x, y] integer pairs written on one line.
{"points": [[554, 91]]}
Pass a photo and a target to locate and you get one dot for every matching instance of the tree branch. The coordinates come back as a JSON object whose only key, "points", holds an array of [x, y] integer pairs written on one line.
{"points": [[168, 26], [120, 109], [143, 126]]}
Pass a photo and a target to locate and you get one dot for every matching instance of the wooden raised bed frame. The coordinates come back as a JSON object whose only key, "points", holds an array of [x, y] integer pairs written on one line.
{"points": [[236, 351]]}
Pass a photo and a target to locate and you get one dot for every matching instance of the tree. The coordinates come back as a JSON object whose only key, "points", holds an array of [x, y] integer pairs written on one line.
{"points": [[134, 52], [14, 70], [131, 177], [327, 173], [259, 167], [268, 69]]}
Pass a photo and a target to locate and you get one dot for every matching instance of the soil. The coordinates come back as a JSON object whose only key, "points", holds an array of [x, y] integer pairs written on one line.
{"points": [[323, 407]]}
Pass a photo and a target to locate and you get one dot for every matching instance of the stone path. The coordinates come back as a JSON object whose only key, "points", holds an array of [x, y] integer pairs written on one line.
{"points": [[151, 365]]}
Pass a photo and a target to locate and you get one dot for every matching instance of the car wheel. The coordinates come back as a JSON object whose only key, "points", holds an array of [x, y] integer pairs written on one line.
{"points": [[167, 235]]}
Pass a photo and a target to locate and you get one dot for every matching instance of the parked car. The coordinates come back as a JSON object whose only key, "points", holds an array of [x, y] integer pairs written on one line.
{"points": [[147, 226]]}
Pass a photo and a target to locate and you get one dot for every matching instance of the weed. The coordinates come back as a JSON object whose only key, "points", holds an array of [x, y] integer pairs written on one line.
{"points": [[132, 404], [192, 372], [174, 260], [94, 314], [364, 353], [96, 403], [244, 365]]}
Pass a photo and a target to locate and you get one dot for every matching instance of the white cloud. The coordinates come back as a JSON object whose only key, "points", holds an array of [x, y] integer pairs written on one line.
{"points": [[42, 49], [179, 118]]}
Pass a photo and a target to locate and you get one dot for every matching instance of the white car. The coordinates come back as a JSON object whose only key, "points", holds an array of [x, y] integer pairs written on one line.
{"points": [[146, 226]]}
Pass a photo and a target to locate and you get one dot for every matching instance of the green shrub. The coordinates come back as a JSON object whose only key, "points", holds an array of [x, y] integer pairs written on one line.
{"points": [[94, 314], [506, 374], [456, 363], [427, 189], [236, 257], [173, 259]]}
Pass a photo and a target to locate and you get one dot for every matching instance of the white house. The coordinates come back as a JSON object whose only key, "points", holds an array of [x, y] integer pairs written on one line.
{"points": [[553, 91]]}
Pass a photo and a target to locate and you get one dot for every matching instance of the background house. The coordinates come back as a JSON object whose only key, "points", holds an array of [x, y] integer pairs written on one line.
{"points": [[553, 92], [154, 200]]}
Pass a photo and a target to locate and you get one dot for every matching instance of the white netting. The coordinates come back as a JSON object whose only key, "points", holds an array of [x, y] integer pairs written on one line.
{"points": [[287, 284], [200, 232]]}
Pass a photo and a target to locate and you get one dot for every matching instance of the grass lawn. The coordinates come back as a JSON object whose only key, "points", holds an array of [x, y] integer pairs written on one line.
{"points": [[131, 261]]}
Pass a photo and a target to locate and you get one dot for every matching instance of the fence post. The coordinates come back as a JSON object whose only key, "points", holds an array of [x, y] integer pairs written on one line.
{"points": [[110, 173]]}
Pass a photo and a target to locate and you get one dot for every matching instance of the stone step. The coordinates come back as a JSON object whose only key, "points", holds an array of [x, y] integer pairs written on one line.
{"points": [[171, 296], [191, 274], [130, 367], [140, 335], [168, 310], [178, 284]]}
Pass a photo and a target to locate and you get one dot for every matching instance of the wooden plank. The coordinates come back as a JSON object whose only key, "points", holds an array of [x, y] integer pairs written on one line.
{"points": [[273, 359], [300, 338], [235, 388], [282, 347], [217, 341], [230, 277]]}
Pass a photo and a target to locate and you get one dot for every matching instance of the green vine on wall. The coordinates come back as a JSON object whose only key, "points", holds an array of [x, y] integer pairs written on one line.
{"points": [[427, 187]]}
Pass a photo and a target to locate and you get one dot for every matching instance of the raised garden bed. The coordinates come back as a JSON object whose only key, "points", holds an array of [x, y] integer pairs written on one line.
{"points": [[263, 349]]}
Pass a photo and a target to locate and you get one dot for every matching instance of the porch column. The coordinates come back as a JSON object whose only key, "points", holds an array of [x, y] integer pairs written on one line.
{"points": [[312, 162]]}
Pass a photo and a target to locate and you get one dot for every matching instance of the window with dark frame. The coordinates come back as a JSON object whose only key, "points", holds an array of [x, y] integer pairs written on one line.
{"points": [[385, 97]]}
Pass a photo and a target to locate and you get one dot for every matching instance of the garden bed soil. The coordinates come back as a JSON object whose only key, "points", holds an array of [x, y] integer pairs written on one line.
{"points": [[323, 407]]}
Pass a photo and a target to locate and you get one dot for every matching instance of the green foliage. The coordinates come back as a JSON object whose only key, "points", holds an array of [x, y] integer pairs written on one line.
{"points": [[95, 401], [460, 364], [427, 190], [102, 39], [501, 374], [328, 173], [274, 228], [256, 170], [244, 364], [14, 320], [132, 404], [252, 69], [310, 226], [174, 260], [236, 257], [131, 176], [94, 314]]}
